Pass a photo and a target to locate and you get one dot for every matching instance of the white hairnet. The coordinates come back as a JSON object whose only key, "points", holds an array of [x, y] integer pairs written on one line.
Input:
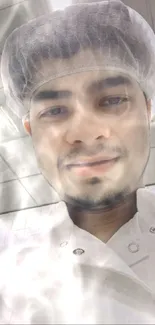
{"points": [[124, 38]]}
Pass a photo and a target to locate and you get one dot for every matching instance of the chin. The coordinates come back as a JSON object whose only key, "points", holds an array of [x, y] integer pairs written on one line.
{"points": [[94, 193], [89, 203], [94, 187]]}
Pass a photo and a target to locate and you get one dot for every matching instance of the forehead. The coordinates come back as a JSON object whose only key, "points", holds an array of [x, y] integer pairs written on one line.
{"points": [[86, 65], [89, 82]]}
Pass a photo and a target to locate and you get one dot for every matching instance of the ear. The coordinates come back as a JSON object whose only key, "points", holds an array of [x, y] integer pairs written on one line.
{"points": [[149, 104], [26, 124]]}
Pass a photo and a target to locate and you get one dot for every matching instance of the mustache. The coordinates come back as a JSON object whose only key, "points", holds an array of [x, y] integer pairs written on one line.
{"points": [[101, 149]]}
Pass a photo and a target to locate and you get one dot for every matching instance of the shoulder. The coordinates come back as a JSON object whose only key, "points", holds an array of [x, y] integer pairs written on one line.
{"points": [[27, 226], [28, 237]]}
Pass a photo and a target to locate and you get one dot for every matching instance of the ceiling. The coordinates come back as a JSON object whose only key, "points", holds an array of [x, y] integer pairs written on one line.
{"points": [[21, 184]]}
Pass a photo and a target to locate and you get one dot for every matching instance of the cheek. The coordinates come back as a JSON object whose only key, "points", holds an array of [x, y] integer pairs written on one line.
{"points": [[46, 144], [136, 137]]}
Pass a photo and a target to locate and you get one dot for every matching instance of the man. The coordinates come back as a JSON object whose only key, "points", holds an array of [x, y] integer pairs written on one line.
{"points": [[85, 77]]}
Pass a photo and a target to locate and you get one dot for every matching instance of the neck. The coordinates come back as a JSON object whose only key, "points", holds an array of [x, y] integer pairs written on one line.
{"points": [[105, 222]]}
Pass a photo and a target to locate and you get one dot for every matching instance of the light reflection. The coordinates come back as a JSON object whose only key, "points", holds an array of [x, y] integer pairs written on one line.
{"points": [[60, 4]]}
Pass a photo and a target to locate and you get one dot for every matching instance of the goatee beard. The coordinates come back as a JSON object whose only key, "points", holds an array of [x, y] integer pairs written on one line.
{"points": [[84, 204]]}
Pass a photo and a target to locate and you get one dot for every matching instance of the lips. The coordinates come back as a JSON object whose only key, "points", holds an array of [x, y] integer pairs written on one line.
{"points": [[91, 163]]}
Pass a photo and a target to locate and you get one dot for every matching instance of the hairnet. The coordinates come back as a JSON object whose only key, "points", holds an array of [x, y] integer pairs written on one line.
{"points": [[119, 33]]}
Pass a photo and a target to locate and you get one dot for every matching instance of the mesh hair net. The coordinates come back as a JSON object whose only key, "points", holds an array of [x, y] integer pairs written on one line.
{"points": [[123, 38]]}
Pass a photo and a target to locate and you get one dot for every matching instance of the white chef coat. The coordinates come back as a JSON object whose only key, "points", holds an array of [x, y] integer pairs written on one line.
{"points": [[57, 273]]}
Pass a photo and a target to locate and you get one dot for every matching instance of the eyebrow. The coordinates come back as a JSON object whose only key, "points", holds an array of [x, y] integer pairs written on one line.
{"points": [[96, 85], [52, 94], [110, 83]]}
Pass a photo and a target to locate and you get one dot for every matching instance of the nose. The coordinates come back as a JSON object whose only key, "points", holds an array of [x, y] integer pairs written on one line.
{"points": [[87, 130]]}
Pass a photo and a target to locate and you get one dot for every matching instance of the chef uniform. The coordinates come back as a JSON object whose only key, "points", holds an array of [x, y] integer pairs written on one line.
{"points": [[56, 273]]}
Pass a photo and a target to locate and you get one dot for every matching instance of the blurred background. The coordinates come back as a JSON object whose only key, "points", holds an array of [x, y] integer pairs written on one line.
{"points": [[21, 184]]}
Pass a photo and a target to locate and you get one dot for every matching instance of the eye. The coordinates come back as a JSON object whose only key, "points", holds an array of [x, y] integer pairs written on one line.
{"points": [[114, 104], [110, 101], [56, 111]]}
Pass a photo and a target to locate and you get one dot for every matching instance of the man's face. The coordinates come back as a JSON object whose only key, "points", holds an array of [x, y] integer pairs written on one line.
{"points": [[90, 132]]}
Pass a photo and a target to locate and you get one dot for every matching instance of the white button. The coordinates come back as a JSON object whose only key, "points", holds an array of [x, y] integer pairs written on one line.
{"points": [[65, 243], [133, 247], [78, 251], [152, 230]]}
